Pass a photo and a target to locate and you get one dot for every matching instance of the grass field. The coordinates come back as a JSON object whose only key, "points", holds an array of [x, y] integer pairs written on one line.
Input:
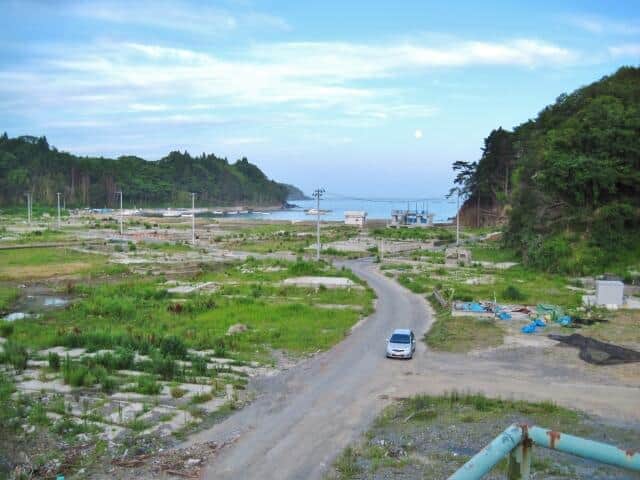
{"points": [[534, 287], [431, 437], [462, 334], [33, 263], [8, 295], [280, 238]]}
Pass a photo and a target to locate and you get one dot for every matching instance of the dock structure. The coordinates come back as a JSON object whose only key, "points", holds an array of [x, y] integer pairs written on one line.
{"points": [[411, 218]]}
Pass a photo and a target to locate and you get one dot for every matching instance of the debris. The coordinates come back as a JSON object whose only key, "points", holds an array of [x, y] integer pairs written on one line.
{"points": [[597, 352], [443, 303], [237, 328]]}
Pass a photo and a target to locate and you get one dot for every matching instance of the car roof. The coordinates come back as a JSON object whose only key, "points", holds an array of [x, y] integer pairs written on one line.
{"points": [[402, 331]]}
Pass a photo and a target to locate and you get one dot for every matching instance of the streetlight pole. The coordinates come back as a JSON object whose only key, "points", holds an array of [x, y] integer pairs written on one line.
{"points": [[58, 195], [193, 218], [318, 193]]}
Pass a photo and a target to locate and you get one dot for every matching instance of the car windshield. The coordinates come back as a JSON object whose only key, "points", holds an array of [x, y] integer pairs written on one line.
{"points": [[399, 338]]}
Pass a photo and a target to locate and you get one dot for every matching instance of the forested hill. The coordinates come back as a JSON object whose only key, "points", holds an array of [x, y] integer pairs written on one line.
{"points": [[567, 184], [30, 164]]}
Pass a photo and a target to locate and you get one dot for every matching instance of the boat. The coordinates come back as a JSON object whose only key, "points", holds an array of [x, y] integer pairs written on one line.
{"points": [[315, 211], [171, 213]]}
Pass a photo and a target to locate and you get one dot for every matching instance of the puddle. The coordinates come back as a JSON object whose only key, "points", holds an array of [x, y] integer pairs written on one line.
{"points": [[55, 302], [12, 317], [38, 297]]}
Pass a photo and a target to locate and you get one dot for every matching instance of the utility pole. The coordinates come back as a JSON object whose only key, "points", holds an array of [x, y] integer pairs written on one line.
{"points": [[318, 193], [193, 218], [121, 213], [458, 221], [28, 194], [58, 195]]}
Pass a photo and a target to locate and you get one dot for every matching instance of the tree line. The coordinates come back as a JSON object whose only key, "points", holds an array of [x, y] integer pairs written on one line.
{"points": [[29, 164], [567, 183]]}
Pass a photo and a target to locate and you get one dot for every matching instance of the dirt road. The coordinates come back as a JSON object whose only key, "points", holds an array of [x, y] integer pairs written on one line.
{"points": [[305, 416]]}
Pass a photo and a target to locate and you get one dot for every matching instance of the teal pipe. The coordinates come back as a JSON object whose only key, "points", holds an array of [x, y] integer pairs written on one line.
{"points": [[581, 447], [489, 456]]}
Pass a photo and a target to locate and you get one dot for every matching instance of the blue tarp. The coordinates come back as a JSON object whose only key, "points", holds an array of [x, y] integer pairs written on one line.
{"points": [[565, 320], [531, 328], [473, 307]]}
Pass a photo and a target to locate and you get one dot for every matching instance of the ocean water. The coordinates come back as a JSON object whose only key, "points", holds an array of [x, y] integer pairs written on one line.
{"points": [[443, 209]]}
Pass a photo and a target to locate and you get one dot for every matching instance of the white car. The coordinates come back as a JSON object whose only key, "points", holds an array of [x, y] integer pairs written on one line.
{"points": [[401, 344]]}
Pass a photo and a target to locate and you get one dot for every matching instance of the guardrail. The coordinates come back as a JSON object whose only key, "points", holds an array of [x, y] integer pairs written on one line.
{"points": [[517, 441]]}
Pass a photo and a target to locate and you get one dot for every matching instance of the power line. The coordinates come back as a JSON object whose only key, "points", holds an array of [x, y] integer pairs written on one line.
{"points": [[339, 196]]}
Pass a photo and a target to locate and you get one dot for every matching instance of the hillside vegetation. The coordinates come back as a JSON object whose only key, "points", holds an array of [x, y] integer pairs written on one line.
{"points": [[30, 164], [566, 184]]}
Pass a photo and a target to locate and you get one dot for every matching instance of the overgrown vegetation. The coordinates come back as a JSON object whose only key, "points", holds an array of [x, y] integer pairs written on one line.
{"points": [[443, 235], [139, 315], [432, 436]]}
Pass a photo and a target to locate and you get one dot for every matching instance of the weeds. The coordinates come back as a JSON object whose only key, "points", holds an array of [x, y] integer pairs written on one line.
{"points": [[14, 354]]}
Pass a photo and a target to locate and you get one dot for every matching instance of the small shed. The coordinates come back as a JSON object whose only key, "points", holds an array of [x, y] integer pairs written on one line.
{"points": [[357, 218], [609, 293]]}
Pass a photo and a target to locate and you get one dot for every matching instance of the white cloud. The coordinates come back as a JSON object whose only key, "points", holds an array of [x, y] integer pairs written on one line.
{"points": [[600, 25], [197, 18], [108, 79], [147, 107], [418, 134], [243, 140], [626, 50]]}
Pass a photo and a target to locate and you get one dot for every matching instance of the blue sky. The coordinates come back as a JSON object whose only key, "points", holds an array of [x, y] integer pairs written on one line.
{"points": [[365, 98]]}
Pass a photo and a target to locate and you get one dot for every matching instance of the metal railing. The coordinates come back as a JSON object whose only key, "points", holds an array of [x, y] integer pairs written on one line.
{"points": [[517, 441]]}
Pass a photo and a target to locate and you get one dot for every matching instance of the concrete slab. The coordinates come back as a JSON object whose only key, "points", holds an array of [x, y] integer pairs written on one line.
{"points": [[126, 412], [328, 282], [36, 386]]}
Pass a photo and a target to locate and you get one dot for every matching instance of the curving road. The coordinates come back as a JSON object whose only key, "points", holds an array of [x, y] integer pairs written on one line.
{"points": [[305, 416]]}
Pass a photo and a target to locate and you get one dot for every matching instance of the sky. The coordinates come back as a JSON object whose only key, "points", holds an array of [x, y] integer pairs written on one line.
{"points": [[365, 98]]}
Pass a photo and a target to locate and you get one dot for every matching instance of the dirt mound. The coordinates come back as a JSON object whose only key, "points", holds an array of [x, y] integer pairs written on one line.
{"points": [[597, 352]]}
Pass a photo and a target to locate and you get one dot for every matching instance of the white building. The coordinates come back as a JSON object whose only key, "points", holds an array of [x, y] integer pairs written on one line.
{"points": [[357, 218]]}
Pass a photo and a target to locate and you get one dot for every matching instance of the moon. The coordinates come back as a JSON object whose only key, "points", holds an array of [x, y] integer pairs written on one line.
{"points": [[418, 134]]}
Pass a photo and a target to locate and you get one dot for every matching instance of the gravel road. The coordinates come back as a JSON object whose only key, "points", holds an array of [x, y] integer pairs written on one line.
{"points": [[305, 416]]}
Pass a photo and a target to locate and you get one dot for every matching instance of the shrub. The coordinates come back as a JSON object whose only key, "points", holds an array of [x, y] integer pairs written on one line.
{"points": [[201, 398], [173, 346], [219, 347], [54, 361], [108, 384], [513, 293], [177, 392], [302, 267], [199, 366], [15, 355], [147, 385], [76, 374], [166, 367], [6, 329]]}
